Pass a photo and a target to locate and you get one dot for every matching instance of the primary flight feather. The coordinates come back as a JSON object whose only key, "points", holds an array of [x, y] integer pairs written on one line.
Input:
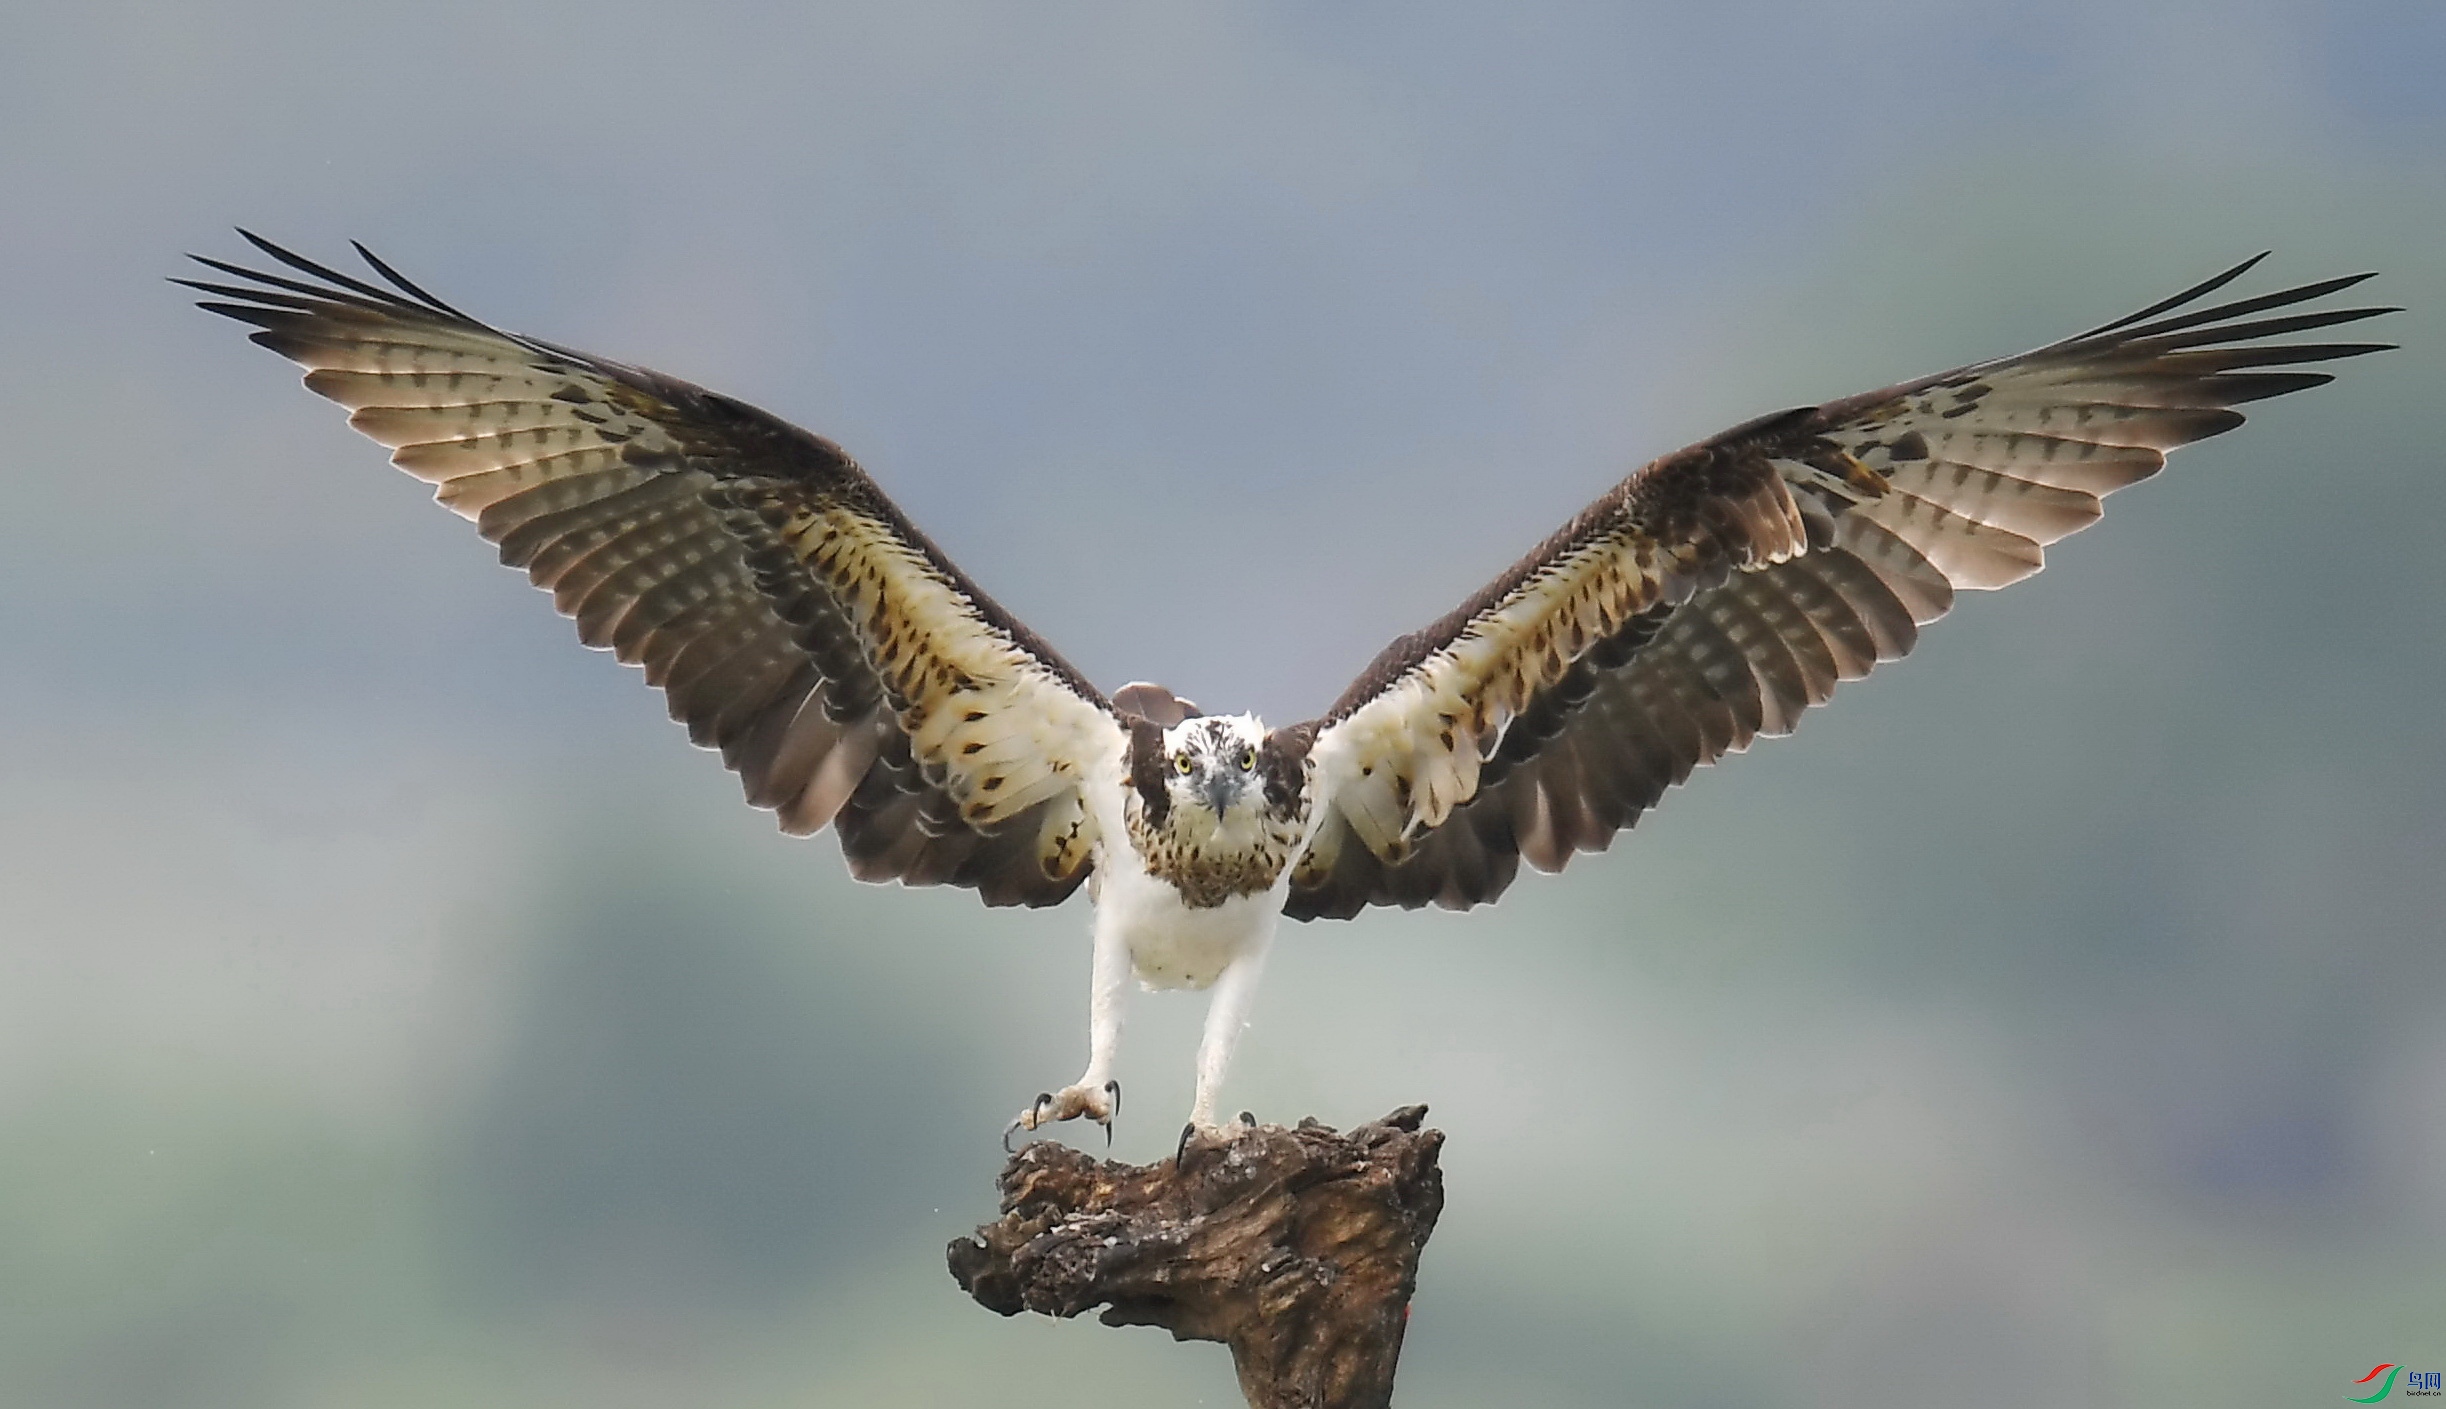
{"points": [[853, 676]]}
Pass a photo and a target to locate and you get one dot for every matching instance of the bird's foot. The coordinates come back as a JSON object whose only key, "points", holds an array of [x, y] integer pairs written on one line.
{"points": [[1200, 1131], [1098, 1103]]}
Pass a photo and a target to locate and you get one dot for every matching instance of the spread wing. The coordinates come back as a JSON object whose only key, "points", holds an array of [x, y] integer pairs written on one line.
{"points": [[793, 616], [1717, 593]]}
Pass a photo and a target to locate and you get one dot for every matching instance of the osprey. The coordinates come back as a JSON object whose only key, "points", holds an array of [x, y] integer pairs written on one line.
{"points": [[853, 676]]}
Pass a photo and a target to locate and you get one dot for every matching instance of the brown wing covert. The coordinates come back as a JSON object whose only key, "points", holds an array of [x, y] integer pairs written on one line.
{"points": [[794, 619], [1717, 593]]}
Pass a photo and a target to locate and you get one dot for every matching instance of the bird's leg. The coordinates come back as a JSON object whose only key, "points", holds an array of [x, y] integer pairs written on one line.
{"points": [[1095, 1094], [1225, 1017]]}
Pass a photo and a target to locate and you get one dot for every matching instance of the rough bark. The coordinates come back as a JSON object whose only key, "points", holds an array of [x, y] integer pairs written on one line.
{"points": [[1297, 1247]]}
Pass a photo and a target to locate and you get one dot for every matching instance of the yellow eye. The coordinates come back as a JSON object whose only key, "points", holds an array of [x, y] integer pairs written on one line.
{"points": [[1248, 759], [1180, 762]]}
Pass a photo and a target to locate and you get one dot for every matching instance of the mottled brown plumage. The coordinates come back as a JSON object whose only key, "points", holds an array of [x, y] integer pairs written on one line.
{"points": [[852, 675], [793, 616], [1718, 592]]}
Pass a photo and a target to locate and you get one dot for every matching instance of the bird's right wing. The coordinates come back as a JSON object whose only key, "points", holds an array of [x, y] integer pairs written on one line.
{"points": [[793, 616]]}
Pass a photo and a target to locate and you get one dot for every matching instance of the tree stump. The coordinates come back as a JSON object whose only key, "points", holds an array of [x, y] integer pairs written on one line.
{"points": [[1297, 1247]]}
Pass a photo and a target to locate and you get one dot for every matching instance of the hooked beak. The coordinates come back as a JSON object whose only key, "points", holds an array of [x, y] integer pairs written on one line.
{"points": [[1221, 790]]}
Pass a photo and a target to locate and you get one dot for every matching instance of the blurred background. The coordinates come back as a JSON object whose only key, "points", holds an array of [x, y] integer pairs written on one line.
{"points": [[394, 1010]]}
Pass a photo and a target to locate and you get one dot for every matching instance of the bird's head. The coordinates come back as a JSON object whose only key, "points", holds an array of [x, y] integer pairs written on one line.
{"points": [[1208, 767]]}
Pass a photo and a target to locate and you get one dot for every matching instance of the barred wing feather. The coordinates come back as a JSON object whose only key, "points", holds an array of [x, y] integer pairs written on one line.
{"points": [[792, 615], [1717, 593]]}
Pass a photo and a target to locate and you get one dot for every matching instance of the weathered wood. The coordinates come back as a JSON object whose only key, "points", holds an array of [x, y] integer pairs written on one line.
{"points": [[1297, 1247]]}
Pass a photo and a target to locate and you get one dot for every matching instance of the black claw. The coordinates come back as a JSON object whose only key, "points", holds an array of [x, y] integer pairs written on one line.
{"points": [[1036, 1113], [1007, 1132], [1249, 1119], [1180, 1152], [1113, 1089]]}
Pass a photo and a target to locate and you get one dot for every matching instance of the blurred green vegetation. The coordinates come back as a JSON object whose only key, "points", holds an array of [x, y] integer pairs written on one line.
{"points": [[394, 1012]]}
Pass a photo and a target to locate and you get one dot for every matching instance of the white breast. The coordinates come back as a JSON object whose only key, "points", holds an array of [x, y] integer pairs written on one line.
{"points": [[1170, 944]]}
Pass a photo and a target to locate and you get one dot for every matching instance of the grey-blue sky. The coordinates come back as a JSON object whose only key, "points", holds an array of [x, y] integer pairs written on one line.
{"points": [[2077, 979]]}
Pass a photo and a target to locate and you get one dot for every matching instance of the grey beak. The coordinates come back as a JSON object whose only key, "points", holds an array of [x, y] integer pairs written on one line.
{"points": [[1221, 788]]}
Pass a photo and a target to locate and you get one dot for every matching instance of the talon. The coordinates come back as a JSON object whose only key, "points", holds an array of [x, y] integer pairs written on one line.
{"points": [[1010, 1130], [1249, 1119], [1180, 1152], [1097, 1103]]}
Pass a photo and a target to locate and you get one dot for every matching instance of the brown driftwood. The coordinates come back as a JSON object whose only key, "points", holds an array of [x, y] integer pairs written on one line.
{"points": [[1296, 1247]]}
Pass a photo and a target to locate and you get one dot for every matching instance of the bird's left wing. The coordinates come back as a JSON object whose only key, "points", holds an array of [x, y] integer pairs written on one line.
{"points": [[792, 615], [1716, 593]]}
